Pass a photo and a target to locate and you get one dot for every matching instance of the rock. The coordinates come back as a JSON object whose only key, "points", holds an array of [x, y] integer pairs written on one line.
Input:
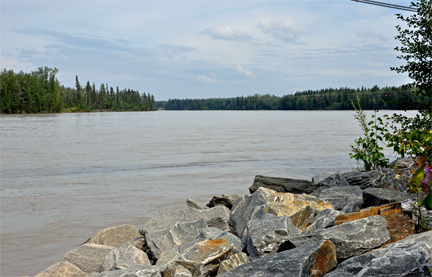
{"points": [[302, 208], [407, 206], [88, 257], [358, 178], [333, 180], [402, 163], [351, 207], [265, 234], [174, 235], [124, 254], [114, 236], [396, 260], [380, 196], [181, 271], [134, 271], [314, 259], [351, 238], [214, 233], [324, 219], [232, 262], [201, 259], [168, 217], [139, 242], [338, 197], [218, 222], [223, 200], [421, 237], [399, 224], [195, 205], [283, 185], [62, 269], [318, 178], [422, 271]]}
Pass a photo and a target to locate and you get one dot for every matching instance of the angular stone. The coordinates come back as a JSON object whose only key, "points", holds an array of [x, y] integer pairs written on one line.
{"points": [[123, 254], [351, 207], [174, 235], [399, 224], [380, 178], [133, 271], [302, 208], [114, 236], [201, 259], [139, 242], [223, 200], [338, 197], [324, 219], [88, 257], [314, 259], [351, 238], [168, 217], [380, 196], [402, 163], [398, 259], [283, 185], [318, 178], [267, 233], [218, 222], [421, 237], [407, 206], [214, 234], [422, 271], [333, 180], [181, 271], [194, 204], [62, 269], [232, 262]]}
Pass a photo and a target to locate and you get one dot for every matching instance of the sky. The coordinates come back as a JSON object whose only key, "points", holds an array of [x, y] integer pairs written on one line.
{"points": [[205, 49]]}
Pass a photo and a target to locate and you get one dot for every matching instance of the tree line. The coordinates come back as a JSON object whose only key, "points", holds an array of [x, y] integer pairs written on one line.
{"points": [[40, 91], [396, 98]]}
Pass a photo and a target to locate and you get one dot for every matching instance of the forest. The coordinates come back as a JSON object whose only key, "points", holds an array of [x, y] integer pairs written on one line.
{"points": [[395, 98], [41, 92]]}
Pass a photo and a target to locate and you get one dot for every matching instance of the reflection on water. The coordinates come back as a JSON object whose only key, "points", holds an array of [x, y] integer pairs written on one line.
{"points": [[66, 176]]}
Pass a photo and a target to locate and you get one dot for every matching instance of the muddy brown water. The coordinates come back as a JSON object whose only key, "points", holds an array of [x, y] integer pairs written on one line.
{"points": [[64, 177]]}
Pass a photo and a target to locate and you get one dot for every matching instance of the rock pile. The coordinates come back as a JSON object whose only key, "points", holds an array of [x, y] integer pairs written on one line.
{"points": [[349, 224]]}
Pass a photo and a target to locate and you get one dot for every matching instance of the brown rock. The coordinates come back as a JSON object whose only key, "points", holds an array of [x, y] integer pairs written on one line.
{"points": [[62, 269], [114, 236], [233, 262]]}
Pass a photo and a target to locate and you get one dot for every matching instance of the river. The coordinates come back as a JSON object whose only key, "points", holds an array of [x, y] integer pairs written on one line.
{"points": [[64, 177]]}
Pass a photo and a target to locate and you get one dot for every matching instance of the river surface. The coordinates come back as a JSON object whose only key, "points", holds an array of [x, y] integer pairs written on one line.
{"points": [[64, 177]]}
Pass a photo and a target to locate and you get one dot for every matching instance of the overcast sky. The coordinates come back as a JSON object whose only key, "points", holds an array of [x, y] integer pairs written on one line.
{"points": [[205, 49]]}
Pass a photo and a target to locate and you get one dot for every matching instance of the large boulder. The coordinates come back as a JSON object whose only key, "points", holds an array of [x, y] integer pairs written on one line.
{"points": [[135, 270], [169, 216], [402, 163], [226, 200], [351, 238], [161, 240], [181, 271], [114, 236], [396, 260], [302, 208], [324, 219], [408, 206], [215, 233], [265, 234], [313, 259], [88, 257], [283, 185], [232, 262], [194, 204], [62, 269], [201, 258], [339, 196], [123, 254], [381, 196], [333, 180]]}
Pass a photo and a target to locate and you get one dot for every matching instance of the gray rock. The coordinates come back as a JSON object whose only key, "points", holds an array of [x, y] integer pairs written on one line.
{"points": [[62, 269], [124, 254], [403, 163], [168, 217], [351, 207], [339, 196], [267, 233], [134, 271], [232, 262], [181, 271], [333, 180], [399, 258], [324, 219], [381, 196], [318, 178], [226, 200], [194, 204], [88, 257], [215, 234], [351, 238], [421, 237], [314, 259], [357, 178], [114, 236], [407, 206], [174, 235], [218, 222], [422, 271], [139, 243], [283, 185]]}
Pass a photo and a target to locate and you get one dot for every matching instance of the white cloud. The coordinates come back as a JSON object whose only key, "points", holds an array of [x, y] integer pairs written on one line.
{"points": [[371, 35], [206, 79], [286, 30], [245, 72], [226, 33]]}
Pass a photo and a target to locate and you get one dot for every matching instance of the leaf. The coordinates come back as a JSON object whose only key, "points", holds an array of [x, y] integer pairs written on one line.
{"points": [[418, 176], [398, 176], [422, 160], [428, 201]]}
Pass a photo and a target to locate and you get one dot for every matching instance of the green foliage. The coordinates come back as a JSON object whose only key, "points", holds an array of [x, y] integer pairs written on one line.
{"points": [[366, 149]]}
